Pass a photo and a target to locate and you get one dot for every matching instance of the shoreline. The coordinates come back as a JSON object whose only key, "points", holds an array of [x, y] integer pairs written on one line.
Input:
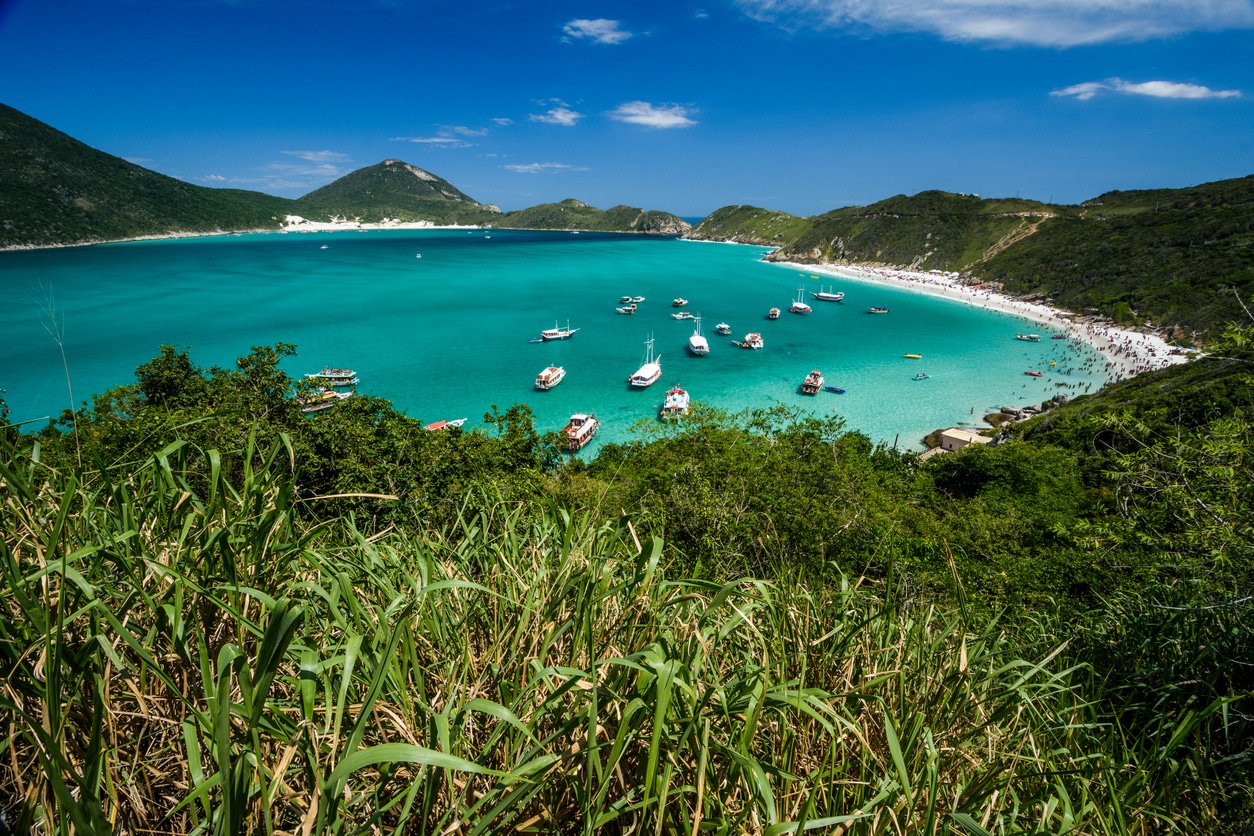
{"points": [[1127, 352]]}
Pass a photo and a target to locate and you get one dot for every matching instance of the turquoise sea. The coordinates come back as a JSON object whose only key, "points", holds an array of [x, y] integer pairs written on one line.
{"points": [[446, 335]]}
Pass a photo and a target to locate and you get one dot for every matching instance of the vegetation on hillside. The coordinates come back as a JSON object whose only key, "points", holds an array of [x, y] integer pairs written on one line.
{"points": [[56, 190], [1173, 256], [575, 214], [1170, 256], [930, 230], [396, 190], [221, 615], [749, 225]]}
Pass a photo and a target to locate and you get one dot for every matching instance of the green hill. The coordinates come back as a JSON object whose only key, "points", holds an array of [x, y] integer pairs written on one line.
{"points": [[394, 189], [57, 190], [575, 214], [749, 225], [930, 230], [1169, 256]]}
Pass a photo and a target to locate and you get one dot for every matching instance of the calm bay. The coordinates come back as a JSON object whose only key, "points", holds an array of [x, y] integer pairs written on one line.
{"points": [[440, 322]]}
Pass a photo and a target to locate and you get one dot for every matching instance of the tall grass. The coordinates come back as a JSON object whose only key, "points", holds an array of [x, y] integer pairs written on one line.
{"points": [[179, 652]]}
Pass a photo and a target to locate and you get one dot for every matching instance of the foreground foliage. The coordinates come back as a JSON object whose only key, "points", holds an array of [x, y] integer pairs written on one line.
{"points": [[182, 653]]}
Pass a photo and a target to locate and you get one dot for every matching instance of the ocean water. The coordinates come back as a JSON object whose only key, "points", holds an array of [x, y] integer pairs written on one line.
{"points": [[446, 335]]}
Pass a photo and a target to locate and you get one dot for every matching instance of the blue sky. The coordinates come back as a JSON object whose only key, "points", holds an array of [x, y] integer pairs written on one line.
{"points": [[797, 105]]}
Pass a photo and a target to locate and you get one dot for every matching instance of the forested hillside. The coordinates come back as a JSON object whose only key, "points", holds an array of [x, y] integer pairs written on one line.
{"points": [[397, 190], [1169, 256], [56, 190], [575, 214], [760, 621]]}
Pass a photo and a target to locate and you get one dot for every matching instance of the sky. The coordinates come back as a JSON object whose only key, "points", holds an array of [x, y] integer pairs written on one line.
{"points": [[800, 106]]}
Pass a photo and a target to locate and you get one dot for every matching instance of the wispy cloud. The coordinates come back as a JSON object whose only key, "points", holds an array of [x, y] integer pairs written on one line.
{"points": [[214, 178], [557, 116], [446, 136], [541, 168], [1051, 23], [653, 116], [1154, 89], [599, 31], [322, 157], [502, 121]]}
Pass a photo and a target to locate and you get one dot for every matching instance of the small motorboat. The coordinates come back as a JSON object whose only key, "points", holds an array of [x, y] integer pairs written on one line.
{"points": [[626, 309], [921, 376], [637, 299], [722, 328], [877, 309], [681, 315], [835, 389], [1059, 337], [913, 356], [678, 302], [1032, 374], [1028, 338], [773, 313]]}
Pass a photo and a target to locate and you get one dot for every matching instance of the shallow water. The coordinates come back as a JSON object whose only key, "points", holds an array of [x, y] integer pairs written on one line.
{"points": [[447, 335]]}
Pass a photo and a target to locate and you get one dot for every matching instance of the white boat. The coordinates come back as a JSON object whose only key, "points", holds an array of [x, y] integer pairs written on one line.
{"points": [[678, 302], [580, 430], [637, 299], [626, 309], [752, 340], [812, 383], [331, 376], [828, 295], [681, 315], [722, 328], [550, 377], [799, 307], [697, 343], [556, 333], [877, 309], [650, 371], [624, 300], [675, 404], [444, 425], [1031, 338], [773, 313]]}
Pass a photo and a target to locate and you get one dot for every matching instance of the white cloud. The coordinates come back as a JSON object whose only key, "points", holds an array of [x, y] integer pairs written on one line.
{"points": [[557, 116], [1052, 23], [447, 136], [1155, 89], [599, 31], [217, 178], [318, 156], [540, 168], [502, 121], [652, 116], [438, 141]]}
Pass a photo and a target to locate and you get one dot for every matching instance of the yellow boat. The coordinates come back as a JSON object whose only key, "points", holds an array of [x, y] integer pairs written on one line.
{"points": [[913, 356]]}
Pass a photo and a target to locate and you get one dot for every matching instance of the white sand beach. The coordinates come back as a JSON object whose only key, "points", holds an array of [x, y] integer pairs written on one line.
{"points": [[1127, 352]]}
